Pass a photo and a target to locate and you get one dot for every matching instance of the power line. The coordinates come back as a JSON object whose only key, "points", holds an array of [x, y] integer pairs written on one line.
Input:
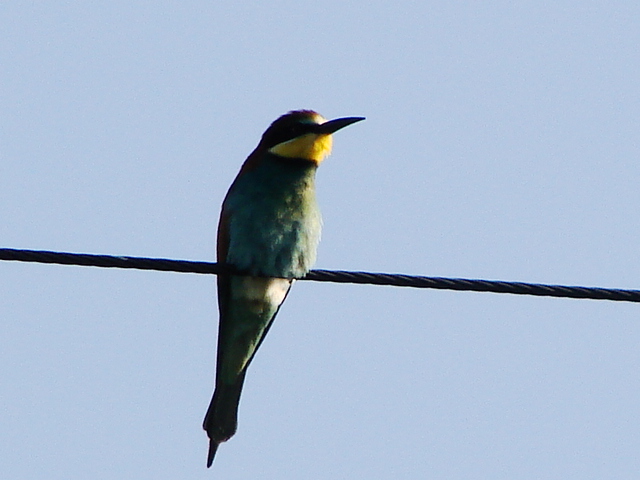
{"points": [[337, 276]]}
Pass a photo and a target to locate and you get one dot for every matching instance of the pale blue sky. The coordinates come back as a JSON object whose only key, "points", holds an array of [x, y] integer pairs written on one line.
{"points": [[502, 141]]}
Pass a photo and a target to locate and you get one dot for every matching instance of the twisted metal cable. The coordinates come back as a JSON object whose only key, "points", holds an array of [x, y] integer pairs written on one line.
{"points": [[337, 276]]}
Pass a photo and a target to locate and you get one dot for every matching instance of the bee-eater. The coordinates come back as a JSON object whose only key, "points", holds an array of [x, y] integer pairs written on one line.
{"points": [[268, 235]]}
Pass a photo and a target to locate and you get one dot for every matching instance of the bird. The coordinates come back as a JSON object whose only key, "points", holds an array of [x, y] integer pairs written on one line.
{"points": [[268, 234]]}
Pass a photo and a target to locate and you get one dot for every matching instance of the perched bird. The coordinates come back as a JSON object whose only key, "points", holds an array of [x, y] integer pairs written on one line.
{"points": [[268, 234]]}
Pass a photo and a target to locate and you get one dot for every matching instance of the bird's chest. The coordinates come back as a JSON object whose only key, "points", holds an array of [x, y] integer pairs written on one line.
{"points": [[274, 226]]}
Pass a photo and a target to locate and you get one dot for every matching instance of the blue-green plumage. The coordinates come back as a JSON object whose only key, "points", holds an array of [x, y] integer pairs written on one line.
{"points": [[274, 225], [268, 234]]}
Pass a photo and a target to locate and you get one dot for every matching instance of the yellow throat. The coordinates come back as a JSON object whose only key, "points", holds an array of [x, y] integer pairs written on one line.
{"points": [[311, 146]]}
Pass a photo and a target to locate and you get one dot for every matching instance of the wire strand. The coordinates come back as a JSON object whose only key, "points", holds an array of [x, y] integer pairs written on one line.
{"points": [[336, 276]]}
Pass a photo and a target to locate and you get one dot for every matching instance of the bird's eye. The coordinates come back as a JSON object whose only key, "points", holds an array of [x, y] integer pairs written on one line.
{"points": [[294, 130]]}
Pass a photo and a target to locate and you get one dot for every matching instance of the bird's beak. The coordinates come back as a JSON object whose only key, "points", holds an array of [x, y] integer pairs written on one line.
{"points": [[332, 126]]}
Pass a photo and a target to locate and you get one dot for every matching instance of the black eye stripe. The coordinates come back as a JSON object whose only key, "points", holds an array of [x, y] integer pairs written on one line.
{"points": [[288, 132], [296, 130]]}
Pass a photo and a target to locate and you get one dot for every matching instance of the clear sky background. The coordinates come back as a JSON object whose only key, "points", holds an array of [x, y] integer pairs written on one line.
{"points": [[502, 141]]}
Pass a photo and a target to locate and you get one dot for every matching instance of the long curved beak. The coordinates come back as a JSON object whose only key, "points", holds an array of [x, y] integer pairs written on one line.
{"points": [[333, 126]]}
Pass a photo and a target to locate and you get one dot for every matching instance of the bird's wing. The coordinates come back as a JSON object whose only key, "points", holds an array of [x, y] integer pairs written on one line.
{"points": [[224, 281]]}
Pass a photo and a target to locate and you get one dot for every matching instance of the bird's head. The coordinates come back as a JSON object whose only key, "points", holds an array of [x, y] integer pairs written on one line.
{"points": [[303, 134]]}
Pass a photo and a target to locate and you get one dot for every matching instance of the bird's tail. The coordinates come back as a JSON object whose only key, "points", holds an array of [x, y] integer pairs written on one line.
{"points": [[221, 420]]}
